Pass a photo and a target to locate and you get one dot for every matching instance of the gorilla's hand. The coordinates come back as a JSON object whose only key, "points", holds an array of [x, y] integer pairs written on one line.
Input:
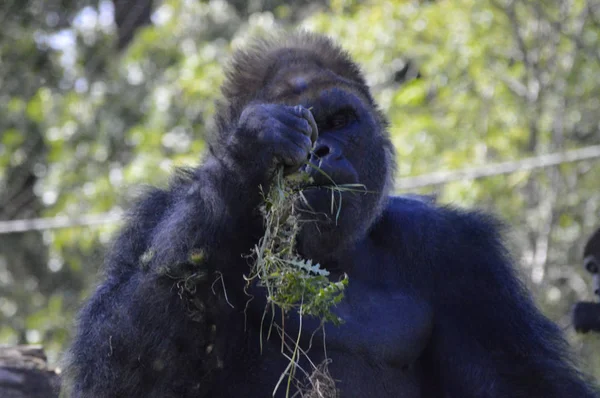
{"points": [[269, 135]]}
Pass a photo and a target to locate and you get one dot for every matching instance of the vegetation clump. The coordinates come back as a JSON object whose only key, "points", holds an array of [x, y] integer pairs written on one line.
{"points": [[292, 282]]}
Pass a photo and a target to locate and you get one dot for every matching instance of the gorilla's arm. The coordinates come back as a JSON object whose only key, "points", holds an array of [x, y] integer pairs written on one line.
{"points": [[136, 336], [489, 340], [150, 327]]}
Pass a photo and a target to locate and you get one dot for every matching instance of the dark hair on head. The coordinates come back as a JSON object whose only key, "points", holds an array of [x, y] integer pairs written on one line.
{"points": [[252, 67]]}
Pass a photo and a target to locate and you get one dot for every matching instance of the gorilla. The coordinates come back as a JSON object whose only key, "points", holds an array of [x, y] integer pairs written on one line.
{"points": [[586, 315], [433, 307], [591, 253]]}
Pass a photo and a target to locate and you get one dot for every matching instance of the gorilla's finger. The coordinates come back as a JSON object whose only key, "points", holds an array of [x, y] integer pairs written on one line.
{"points": [[301, 141], [294, 148], [307, 115], [282, 135], [291, 117], [292, 157]]}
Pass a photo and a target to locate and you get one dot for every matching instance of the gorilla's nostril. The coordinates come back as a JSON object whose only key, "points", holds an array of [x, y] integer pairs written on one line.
{"points": [[322, 151]]}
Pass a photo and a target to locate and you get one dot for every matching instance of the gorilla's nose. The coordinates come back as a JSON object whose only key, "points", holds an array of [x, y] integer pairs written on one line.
{"points": [[324, 155], [321, 151], [327, 166]]}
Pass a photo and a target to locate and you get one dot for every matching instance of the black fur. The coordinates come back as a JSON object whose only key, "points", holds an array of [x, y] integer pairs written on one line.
{"points": [[433, 308], [586, 315], [592, 247]]}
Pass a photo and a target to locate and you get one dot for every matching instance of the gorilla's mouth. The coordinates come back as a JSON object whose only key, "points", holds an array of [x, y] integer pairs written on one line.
{"points": [[312, 199], [320, 199], [327, 205]]}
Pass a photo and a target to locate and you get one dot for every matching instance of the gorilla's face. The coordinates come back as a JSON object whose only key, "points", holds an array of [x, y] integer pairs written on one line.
{"points": [[353, 146], [352, 152]]}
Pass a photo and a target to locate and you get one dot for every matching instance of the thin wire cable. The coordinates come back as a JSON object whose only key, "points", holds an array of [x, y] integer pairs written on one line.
{"points": [[407, 183], [495, 169], [42, 224]]}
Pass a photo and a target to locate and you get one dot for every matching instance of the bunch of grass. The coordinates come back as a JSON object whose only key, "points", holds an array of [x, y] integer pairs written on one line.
{"points": [[292, 282]]}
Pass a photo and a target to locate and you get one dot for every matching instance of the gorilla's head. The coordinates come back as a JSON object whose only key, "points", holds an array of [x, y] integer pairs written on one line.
{"points": [[353, 146]]}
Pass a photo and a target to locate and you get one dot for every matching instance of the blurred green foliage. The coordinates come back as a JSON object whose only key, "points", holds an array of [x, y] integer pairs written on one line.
{"points": [[465, 83]]}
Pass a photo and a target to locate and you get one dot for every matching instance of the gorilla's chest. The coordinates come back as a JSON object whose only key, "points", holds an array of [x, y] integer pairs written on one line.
{"points": [[374, 353], [386, 327]]}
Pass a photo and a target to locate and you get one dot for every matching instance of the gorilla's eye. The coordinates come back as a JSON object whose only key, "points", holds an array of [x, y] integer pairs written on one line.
{"points": [[341, 119]]}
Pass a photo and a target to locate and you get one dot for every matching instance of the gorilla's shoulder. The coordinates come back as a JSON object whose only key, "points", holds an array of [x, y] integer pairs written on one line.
{"points": [[419, 218]]}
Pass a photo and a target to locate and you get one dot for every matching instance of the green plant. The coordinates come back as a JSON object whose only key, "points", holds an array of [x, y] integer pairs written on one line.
{"points": [[293, 282]]}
